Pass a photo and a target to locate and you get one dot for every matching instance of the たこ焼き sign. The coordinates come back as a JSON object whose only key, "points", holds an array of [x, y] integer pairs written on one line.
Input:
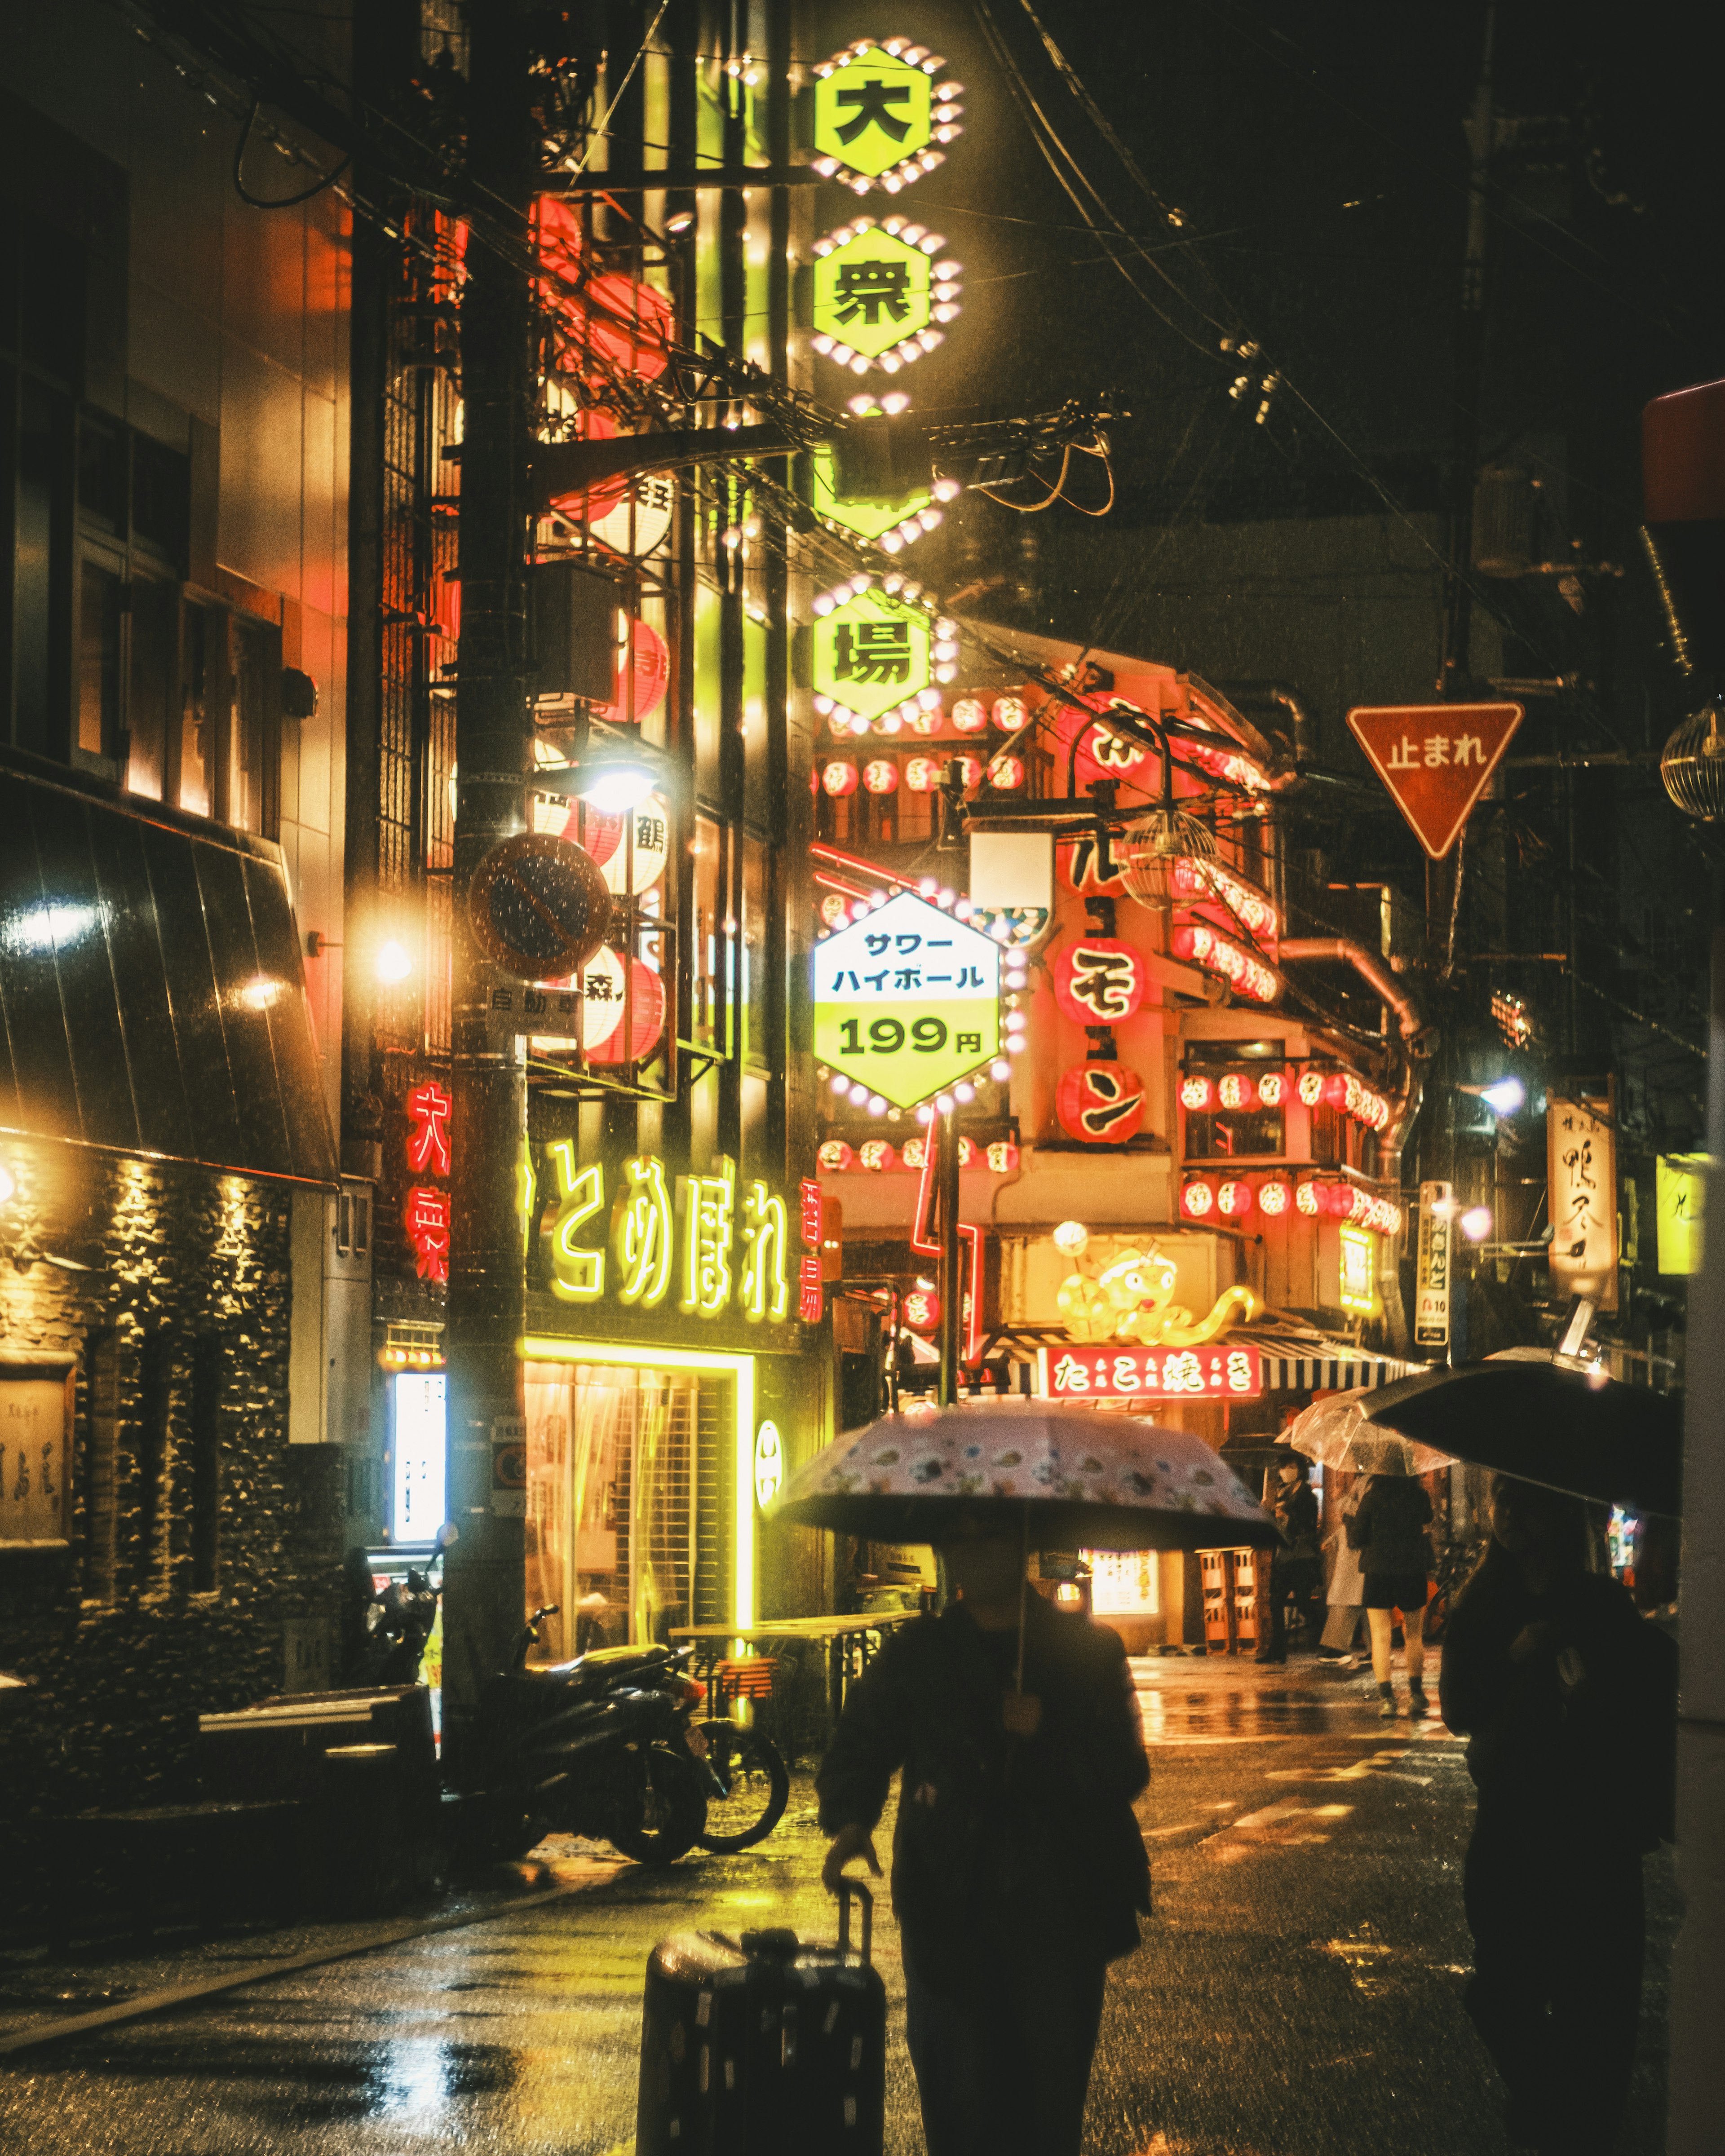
{"points": [[1168, 1374], [906, 1001]]}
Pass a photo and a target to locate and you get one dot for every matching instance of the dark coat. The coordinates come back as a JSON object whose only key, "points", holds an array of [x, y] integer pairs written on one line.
{"points": [[1388, 1530], [1580, 1738], [996, 1833], [1296, 1512]]}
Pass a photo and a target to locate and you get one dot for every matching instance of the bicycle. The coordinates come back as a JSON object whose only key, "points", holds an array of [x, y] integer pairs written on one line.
{"points": [[749, 1784]]}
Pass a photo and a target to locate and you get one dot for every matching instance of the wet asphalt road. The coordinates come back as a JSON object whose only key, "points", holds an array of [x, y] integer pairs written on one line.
{"points": [[1298, 1993]]}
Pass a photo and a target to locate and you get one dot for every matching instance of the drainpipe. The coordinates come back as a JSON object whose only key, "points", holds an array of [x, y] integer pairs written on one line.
{"points": [[1293, 702], [1416, 1039]]}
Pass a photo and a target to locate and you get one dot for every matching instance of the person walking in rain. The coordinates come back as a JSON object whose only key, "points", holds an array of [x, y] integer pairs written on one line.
{"points": [[1296, 1568], [1019, 1869], [1346, 1583], [1389, 1531], [1567, 1698]]}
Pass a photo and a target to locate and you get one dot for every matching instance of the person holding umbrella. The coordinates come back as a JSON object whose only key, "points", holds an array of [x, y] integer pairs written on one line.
{"points": [[1018, 1868], [1389, 1531], [1567, 1697]]}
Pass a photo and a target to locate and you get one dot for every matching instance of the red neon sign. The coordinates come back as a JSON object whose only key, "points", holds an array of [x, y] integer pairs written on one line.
{"points": [[1173, 1373], [811, 1295], [429, 1110], [426, 1218]]}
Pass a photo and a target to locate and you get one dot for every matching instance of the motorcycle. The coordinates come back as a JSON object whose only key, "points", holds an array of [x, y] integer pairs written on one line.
{"points": [[598, 1747]]}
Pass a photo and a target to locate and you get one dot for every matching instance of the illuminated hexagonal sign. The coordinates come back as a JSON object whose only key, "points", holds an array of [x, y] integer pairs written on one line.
{"points": [[873, 653], [881, 112], [880, 294], [906, 1001]]}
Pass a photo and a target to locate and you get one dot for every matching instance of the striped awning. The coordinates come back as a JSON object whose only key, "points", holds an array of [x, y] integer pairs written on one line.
{"points": [[1341, 1372]]}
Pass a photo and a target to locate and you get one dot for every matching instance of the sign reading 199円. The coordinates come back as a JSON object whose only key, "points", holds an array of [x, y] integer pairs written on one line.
{"points": [[906, 1001]]}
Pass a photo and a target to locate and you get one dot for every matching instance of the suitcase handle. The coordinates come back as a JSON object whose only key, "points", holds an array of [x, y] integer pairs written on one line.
{"points": [[847, 1889]]}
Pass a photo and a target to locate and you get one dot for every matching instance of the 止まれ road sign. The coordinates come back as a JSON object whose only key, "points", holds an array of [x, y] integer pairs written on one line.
{"points": [[1436, 760], [906, 1001]]}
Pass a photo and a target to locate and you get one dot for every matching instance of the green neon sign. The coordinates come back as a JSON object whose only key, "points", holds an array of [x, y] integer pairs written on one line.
{"points": [[871, 655], [874, 294], [874, 112]]}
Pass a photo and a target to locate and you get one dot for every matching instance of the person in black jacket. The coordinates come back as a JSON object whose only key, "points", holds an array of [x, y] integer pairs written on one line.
{"points": [[1389, 1531], [1296, 1568], [1019, 1869], [1567, 1697]]}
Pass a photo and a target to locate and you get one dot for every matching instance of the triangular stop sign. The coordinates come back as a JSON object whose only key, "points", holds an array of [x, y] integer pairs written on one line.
{"points": [[1436, 759]]}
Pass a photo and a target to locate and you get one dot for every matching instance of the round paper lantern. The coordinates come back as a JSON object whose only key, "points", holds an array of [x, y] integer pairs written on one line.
{"points": [[1009, 713], [1006, 772], [1233, 1199], [1309, 1197], [926, 720], [1100, 1103], [1198, 1198], [639, 527], [1272, 1089], [1099, 980], [1311, 1088], [1237, 1090], [877, 1155], [1338, 1200], [1335, 1091], [880, 775], [923, 774], [605, 836], [600, 982], [1275, 1195], [840, 777], [836, 909], [970, 715], [835, 1155], [970, 771], [1197, 1096], [914, 1153], [921, 1307], [1003, 1156], [646, 1022], [642, 674]]}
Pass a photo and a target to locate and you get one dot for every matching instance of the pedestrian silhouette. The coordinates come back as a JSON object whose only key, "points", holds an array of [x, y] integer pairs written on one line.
{"points": [[1019, 1869], [1567, 1697], [1389, 1531], [1296, 1568]]}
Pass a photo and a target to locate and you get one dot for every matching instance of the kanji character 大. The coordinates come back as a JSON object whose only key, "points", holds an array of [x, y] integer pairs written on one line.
{"points": [[871, 96], [429, 1109]]}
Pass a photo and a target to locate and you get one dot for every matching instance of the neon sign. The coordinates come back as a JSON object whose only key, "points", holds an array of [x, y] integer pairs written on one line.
{"points": [[655, 1242], [880, 293], [425, 1215], [874, 658], [429, 1110], [1104, 1373], [906, 1001], [881, 114]]}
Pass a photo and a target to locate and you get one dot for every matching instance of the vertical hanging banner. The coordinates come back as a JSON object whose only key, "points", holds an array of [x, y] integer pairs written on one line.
{"points": [[1431, 1288], [1682, 1192], [1581, 1170]]}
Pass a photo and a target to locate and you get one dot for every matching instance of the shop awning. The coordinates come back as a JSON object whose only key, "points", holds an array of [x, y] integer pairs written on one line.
{"points": [[152, 996], [1341, 1370]]}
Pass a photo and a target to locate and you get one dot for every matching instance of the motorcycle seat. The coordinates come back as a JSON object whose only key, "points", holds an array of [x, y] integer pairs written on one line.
{"points": [[599, 1666]]}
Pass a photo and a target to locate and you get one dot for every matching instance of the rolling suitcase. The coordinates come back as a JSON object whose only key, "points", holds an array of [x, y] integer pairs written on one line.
{"points": [[764, 2044]]}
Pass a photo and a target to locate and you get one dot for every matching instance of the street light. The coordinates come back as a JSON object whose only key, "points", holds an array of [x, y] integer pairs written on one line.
{"points": [[1475, 1223], [1503, 1096], [393, 962]]}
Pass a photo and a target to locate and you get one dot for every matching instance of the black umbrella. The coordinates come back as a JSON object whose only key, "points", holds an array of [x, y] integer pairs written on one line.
{"points": [[1542, 1422]]}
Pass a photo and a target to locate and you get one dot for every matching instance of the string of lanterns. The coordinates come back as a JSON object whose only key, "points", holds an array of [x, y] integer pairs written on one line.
{"points": [[1232, 1198], [880, 1156], [1236, 1090]]}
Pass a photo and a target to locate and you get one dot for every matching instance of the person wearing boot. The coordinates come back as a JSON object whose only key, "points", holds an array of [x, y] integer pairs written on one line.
{"points": [[1389, 1531]]}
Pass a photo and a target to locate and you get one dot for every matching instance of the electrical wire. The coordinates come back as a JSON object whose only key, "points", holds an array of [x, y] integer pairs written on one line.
{"points": [[628, 77], [285, 202]]}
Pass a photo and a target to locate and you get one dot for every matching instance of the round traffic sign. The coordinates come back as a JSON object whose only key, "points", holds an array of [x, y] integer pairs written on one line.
{"points": [[539, 906]]}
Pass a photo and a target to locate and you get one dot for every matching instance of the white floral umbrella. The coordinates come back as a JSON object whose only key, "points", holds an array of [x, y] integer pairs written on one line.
{"points": [[1065, 1477]]}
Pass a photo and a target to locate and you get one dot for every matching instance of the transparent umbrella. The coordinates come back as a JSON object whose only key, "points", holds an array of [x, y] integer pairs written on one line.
{"points": [[1335, 1433]]}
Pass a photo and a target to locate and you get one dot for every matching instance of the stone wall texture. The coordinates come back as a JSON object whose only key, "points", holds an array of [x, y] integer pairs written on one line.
{"points": [[197, 1531]]}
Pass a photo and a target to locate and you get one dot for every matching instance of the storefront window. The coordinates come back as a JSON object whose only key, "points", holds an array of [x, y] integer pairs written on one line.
{"points": [[1228, 1134], [626, 1510]]}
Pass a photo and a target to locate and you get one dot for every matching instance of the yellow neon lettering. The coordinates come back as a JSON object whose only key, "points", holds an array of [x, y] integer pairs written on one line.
{"points": [[577, 1275]]}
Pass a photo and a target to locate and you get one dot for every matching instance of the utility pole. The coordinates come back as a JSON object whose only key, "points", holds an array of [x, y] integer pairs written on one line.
{"points": [[943, 1132], [486, 1290], [1481, 131]]}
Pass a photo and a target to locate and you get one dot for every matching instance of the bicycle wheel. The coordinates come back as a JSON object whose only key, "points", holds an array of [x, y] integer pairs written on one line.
{"points": [[754, 1786]]}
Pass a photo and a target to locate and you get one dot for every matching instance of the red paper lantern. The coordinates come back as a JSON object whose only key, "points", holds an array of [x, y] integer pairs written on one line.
{"points": [[1336, 1089], [921, 1307], [1237, 1090], [923, 774], [1099, 980], [1197, 1096], [1009, 713], [1338, 1200], [646, 1019], [877, 1155], [597, 317], [970, 715], [835, 1155], [1275, 1195], [966, 1153], [1309, 1197], [1100, 1103], [1311, 1088], [1006, 772], [591, 503], [880, 775], [1003, 1155], [1233, 1200], [643, 675], [1198, 1198], [1272, 1089], [839, 777]]}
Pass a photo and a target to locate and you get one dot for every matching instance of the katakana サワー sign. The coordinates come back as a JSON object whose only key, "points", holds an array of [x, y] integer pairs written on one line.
{"points": [[880, 114], [1436, 759], [872, 654], [906, 1001]]}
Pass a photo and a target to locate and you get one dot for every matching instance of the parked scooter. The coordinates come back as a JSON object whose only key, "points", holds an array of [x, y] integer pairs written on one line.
{"points": [[598, 1745]]}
